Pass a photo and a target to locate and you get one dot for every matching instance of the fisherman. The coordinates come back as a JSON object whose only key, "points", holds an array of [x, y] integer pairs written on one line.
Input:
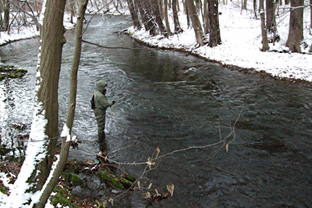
{"points": [[101, 104]]}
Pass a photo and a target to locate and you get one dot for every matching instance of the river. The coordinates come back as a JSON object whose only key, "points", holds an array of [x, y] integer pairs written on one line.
{"points": [[186, 107]]}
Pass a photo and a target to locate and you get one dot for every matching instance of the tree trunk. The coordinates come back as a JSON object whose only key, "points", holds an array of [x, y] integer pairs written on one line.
{"points": [[166, 17], [52, 36], [195, 22], [187, 14], [265, 43], [155, 11], [177, 27], [295, 35], [71, 107], [271, 21], [255, 8], [146, 17], [44, 130], [206, 18], [244, 4], [311, 14], [135, 18], [214, 35], [6, 15]]}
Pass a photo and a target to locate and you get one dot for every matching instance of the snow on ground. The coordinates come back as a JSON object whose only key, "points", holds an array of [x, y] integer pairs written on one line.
{"points": [[241, 43], [18, 34]]}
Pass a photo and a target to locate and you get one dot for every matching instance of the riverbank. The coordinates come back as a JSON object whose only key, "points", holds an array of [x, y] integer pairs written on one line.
{"points": [[240, 48], [241, 43]]}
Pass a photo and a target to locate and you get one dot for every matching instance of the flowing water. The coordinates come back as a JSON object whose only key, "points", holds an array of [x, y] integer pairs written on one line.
{"points": [[175, 102]]}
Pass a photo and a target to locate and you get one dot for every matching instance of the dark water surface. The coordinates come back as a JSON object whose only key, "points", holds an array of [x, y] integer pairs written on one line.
{"points": [[173, 101]]}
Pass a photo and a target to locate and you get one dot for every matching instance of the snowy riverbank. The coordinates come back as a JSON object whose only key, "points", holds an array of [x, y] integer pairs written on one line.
{"points": [[241, 43]]}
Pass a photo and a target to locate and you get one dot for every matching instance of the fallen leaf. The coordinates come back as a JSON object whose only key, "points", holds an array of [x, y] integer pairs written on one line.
{"points": [[170, 189]]}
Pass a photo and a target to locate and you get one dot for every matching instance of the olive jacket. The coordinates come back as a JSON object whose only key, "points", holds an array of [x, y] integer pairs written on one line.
{"points": [[100, 99]]}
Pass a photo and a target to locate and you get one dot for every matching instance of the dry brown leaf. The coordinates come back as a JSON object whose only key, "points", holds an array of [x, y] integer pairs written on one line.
{"points": [[139, 185], [227, 147], [158, 151], [150, 186], [170, 189], [111, 200], [105, 203], [148, 195], [156, 192]]}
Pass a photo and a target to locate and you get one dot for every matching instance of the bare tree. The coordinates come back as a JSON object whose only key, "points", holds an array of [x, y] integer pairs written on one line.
{"points": [[244, 4], [265, 42], [214, 35], [295, 35], [195, 22], [156, 17], [71, 106], [255, 8], [206, 20], [31, 14], [311, 14], [46, 103], [6, 16], [177, 27], [166, 17], [146, 16], [135, 18], [271, 21]]}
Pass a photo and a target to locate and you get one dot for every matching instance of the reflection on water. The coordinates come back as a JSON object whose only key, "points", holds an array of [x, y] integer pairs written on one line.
{"points": [[172, 101]]}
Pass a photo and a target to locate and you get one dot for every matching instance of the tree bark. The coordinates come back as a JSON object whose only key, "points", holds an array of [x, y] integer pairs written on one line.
{"points": [[271, 21], [166, 17], [155, 11], [71, 106], [265, 43], [295, 35], [44, 131], [311, 14], [206, 18], [177, 27], [195, 22], [255, 8], [135, 18], [52, 36], [146, 17], [6, 17], [214, 35]]}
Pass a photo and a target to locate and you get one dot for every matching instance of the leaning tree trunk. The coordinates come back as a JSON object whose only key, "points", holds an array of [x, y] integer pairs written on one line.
{"points": [[44, 130], [195, 22], [214, 35], [295, 35], [71, 107], [265, 43]]}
